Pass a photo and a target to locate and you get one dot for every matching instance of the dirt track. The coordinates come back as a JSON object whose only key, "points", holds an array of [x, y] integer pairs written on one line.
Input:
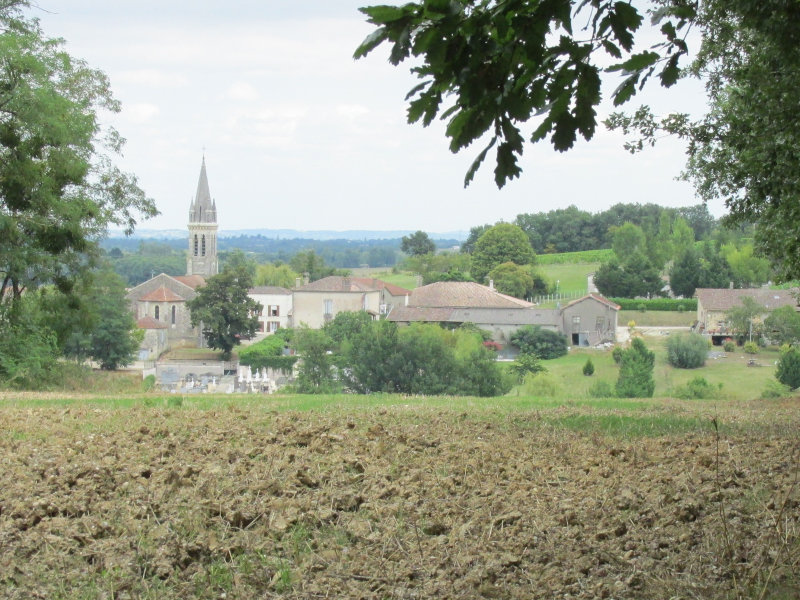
{"points": [[399, 503]]}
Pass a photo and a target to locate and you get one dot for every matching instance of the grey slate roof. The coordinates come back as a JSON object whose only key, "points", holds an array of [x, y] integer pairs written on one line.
{"points": [[203, 209], [336, 283]]}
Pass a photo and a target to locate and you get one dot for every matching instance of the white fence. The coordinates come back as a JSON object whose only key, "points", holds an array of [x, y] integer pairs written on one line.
{"points": [[558, 297]]}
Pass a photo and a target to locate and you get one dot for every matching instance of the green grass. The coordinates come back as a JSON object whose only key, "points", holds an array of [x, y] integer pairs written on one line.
{"points": [[404, 279], [571, 277]]}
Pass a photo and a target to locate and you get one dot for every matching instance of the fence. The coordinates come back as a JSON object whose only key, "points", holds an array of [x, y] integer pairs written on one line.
{"points": [[558, 297]]}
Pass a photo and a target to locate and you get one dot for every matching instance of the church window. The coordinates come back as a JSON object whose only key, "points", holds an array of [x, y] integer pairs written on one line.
{"points": [[195, 245], [174, 312], [204, 246], [156, 313]]}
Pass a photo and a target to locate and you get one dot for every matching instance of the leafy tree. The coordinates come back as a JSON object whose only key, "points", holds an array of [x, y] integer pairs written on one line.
{"points": [[500, 244], [788, 372], [28, 347], [715, 272], [682, 237], [636, 372], [443, 266], [687, 351], [270, 352], [315, 373], [474, 234], [512, 279], [524, 364], [347, 324], [224, 310], [636, 278], [745, 319], [59, 190], [782, 326], [747, 270], [629, 241], [537, 66], [544, 343], [684, 275], [309, 262], [276, 274], [417, 243], [114, 337]]}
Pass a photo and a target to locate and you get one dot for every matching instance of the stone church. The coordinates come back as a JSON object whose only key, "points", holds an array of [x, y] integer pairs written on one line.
{"points": [[159, 304]]}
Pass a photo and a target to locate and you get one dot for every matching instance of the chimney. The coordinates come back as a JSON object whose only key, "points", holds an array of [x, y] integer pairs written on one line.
{"points": [[491, 284], [298, 282], [305, 278], [407, 295], [346, 284], [730, 285]]}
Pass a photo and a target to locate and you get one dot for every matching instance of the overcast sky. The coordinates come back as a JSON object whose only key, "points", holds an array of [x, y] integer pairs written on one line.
{"points": [[298, 135]]}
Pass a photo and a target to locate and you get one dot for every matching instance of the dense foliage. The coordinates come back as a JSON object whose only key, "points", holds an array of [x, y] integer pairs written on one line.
{"points": [[544, 343], [687, 351], [59, 190], [417, 243], [788, 372], [270, 352], [782, 326], [665, 304], [224, 310], [500, 244], [636, 372]]}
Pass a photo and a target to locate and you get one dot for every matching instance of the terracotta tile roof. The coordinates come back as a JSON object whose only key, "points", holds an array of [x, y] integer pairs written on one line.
{"points": [[723, 299], [394, 290], [337, 283], [150, 323], [161, 294], [193, 281], [463, 294], [269, 290], [597, 297]]}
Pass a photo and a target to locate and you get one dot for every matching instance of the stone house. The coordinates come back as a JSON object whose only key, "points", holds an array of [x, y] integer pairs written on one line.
{"points": [[713, 304], [318, 302], [586, 321], [276, 308]]}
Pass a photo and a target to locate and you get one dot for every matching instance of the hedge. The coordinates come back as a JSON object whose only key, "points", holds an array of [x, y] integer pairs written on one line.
{"points": [[583, 256], [665, 304]]}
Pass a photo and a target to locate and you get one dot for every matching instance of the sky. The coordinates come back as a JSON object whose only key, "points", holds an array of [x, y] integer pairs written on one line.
{"points": [[296, 134]]}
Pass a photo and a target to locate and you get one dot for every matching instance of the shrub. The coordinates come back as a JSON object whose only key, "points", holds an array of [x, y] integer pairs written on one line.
{"points": [[525, 363], [729, 345], [544, 343], [687, 351], [788, 372], [588, 367], [148, 383], [636, 372], [660, 304], [751, 348], [774, 390], [540, 384], [697, 389], [601, 389], [616, 354]]}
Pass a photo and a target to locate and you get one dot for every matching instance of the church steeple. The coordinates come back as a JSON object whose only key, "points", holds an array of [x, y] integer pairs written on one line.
{"points": [[202, 258]]}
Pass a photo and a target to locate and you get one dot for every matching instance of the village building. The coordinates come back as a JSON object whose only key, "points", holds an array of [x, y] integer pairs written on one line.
{"points": [[587, 321], [159, 304], [276, 309], [318, 302], [713, 305]]}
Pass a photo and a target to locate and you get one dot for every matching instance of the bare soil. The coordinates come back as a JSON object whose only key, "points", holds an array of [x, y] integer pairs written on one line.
{"points": [[397, 503]]}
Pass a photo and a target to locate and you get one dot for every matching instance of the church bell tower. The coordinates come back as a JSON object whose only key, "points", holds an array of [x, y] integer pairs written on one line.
{"points": [[202, 230]]}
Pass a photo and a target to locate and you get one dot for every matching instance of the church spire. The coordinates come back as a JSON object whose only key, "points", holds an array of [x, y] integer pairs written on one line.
{"points": [[203, 209]]}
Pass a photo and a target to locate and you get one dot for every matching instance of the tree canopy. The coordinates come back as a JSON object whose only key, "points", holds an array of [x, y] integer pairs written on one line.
{"points": [[504, 73], [223, 308], [59, 190], [417, 243], [502, 243]]}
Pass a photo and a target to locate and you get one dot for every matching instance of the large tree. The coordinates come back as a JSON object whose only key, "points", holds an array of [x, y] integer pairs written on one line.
{"points": [[417, 243], [491, 68], [502, 243], [224, 310], [59, 190]]}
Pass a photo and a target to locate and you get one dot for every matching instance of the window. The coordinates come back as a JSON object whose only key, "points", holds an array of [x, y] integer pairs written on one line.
{"points": [[576, 320], [204, 245], [174, 313], [156, 313], [273, 310], [261, 326], [195, 244], [273, 326], [327, 308]]}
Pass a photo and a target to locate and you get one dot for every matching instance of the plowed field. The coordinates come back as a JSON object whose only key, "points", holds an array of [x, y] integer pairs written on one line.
{"points": [[396, 502]]}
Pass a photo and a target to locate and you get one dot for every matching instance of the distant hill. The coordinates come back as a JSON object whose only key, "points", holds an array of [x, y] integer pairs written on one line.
{"points": [[287, 234]]}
